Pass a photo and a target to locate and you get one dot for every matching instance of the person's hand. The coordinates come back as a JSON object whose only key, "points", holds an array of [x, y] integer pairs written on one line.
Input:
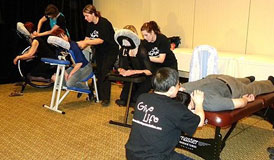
{"points": [[198, 97], [82, 44], [15, 60], [66, 76], [249, 97], [181, 88]]}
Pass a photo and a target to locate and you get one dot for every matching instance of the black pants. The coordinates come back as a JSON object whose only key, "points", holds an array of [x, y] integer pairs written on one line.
{"points": [[104, 66], [137, 89]]}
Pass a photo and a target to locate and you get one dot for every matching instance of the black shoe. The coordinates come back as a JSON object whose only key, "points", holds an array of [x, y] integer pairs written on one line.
{"points": [[105, 103], [271, 78], [79, 95], [120, 102], [251, 78], [270, 150], [90, 97]]}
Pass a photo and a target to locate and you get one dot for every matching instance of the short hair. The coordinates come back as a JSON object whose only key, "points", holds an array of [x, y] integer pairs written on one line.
{"points": [[183, 97], [58, 32], [51, 10], [30, 27], [165, 78]]}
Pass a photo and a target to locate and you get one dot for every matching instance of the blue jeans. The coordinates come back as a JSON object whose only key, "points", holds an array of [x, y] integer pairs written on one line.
{"points": [[78, 76]]}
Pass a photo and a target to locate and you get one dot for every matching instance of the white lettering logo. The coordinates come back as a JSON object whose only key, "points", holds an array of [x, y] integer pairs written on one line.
{"points": [[94, 34], [154, 52], [148, 117]]}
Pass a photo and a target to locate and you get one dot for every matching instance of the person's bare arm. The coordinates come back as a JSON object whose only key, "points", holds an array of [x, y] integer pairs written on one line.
{"points": [[159, 59], [55, 27], [89, 42], [40, 23], [198, 99], [75, 69], [242, 102], [29, 54]]}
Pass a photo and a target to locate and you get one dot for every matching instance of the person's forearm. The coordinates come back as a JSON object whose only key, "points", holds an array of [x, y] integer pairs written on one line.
{"points": [[239, 102], [200, 112], [75, 69], [95, 41], [156, 59]]}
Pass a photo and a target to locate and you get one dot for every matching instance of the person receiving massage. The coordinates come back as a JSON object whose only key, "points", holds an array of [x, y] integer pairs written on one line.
{"points": [[223, 92], [158, 119], [80, 68], [158, 46], [136, 62], [39, 48], [56, 20], [100, 35]]}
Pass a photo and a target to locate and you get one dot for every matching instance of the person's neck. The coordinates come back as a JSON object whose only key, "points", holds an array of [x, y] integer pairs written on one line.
{"points": [[96, 20], [162, 93]]}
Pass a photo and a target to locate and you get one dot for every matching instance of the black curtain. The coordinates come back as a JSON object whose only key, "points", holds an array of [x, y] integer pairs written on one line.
{"points": [[13, 11]]}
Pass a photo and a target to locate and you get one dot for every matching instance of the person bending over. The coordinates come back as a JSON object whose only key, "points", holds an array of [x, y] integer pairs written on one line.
{"points": [[39, 48], [223, 92], [100, 34], [136, 62], [80, 68], [56, 20], [159, 120], [158, 46]]}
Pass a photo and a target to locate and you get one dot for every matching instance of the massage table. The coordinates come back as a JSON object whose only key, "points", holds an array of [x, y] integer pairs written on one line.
{"points": [[211, 148]]}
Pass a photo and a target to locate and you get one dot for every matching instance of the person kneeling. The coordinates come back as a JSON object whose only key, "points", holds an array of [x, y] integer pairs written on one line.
{"points": [[159, 119]]}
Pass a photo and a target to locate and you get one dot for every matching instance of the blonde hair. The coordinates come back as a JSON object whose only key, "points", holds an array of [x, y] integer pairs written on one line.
{"points": [[132, 28]]}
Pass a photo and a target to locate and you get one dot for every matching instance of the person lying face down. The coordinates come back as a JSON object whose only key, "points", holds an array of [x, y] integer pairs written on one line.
{"points": [[158, 119], [80, 68], [223, 92]]}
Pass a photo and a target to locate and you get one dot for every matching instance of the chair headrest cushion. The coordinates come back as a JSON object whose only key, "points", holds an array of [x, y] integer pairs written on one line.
{"points": [[22, 29], [57, 41], [125, 34]]}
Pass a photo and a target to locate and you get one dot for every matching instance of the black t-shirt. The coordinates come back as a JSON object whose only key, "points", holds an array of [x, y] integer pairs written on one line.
{"points": [[44, 49], [156, 128], [140, 62], [161, 46], [103, 30]]}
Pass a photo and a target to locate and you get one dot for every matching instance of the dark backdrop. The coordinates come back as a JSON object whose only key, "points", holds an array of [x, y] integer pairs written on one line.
{"points": [[13, 11]]}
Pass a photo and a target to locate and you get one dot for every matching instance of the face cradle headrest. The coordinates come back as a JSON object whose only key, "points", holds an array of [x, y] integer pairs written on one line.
{"points": [[22, 29], [57, 41], [125, 34]]}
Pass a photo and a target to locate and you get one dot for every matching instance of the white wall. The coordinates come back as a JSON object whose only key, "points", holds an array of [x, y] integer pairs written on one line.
{"points": [[238, 26]]}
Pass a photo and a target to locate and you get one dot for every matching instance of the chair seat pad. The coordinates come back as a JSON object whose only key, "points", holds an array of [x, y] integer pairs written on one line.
{"points": [[134, 78], [55, 61]]}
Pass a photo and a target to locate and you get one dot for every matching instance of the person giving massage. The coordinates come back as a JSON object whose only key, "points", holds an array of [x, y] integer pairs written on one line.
{"points": [[223, 92], [80, 68], [159, 119]]}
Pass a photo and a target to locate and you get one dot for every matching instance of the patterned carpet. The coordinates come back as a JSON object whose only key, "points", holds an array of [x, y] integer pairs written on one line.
{"points": [[29, 131]]}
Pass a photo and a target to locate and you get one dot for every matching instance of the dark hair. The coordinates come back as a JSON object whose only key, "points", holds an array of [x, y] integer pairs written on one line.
{"points": [[51, 10], [165, 78], [183, 97], [91, 9], [151, 26], [30, 27]]}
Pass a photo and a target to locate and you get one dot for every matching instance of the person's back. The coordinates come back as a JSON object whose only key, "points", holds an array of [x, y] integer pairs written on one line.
{"points": [[159, 120]]}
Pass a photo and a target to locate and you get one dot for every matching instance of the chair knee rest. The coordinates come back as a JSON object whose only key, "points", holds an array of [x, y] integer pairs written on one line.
{"points": [[79, 90]]}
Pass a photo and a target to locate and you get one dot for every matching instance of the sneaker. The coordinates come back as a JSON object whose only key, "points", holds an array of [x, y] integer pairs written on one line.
{"points": [[79, 95], [271, 78], [90, 97], [105, 103], [120, 102], [270, 150]]}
